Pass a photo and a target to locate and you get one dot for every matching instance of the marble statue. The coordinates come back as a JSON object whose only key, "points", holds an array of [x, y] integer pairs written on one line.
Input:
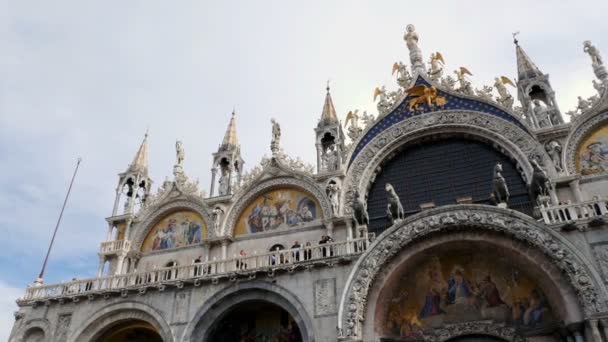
{"points": [[448, 82], [354, 131], [411, 40], [359, 210], [216, 216], [383, 103], [224, 188], [583, 104], [541, 113], [436, 64], [501, 190], [180, 154], [333, 194], [275, 143], [403, 76], [394, 208], [594, 53], [465, 84], [504, 97], [554, 149]]}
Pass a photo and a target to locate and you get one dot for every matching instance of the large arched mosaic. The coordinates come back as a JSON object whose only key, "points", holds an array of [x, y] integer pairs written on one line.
{"points": [[281, 208], [592, 153], [177, 229]]}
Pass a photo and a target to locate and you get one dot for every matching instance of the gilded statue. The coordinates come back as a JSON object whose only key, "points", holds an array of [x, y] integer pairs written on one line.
{"points": [[504, 97], [352, 118], [403, 76], [436, 64], [421, 94]]}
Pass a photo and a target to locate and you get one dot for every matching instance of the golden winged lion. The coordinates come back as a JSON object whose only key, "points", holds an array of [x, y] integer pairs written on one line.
{"points": [[422, 94]]}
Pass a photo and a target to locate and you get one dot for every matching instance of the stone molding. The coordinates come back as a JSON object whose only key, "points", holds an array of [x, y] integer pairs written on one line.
{"points": [[246, 197], [142, 227], [512, 140], [114, 313], [577, 134], [585, 281], [450, 331], [35, 323]]}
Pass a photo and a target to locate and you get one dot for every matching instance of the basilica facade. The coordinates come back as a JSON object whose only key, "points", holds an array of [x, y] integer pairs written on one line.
{"points": [[455, 213]]}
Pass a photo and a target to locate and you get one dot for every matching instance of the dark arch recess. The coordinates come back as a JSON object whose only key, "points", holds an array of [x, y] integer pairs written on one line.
{"points": [[441, 170]]}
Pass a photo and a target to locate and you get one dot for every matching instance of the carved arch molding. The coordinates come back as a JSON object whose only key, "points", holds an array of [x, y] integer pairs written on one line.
{"points": [[505, 136], [584, 280]]}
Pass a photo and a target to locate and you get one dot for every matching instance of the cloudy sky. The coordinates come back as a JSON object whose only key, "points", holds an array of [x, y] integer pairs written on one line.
{"points": [[82, 78]]}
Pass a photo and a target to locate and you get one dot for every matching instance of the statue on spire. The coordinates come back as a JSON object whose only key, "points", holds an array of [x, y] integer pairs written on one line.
{"points": [[411, 40], [179, 153], [596, 61], [275, 143]]}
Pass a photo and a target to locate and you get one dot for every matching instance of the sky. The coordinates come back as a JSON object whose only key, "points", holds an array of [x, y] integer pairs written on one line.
{"points": [[86, 79]]}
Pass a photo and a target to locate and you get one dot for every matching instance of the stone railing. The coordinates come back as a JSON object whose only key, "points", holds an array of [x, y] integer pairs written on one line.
{"points": [[270, 262], [109, 247], [574, 211]]}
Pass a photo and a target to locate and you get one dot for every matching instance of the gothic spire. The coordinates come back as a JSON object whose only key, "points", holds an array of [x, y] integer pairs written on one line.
{"points": [[230, 138], [525, 67], [328, 115], [140, 161]]}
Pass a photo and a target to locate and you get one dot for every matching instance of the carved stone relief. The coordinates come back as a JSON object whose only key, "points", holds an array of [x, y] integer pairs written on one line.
{"points": [[181, 307], [325, 297], [63, 327]]}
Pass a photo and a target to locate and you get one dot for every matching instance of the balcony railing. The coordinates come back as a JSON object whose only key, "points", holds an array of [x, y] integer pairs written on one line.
{"points": [[270, 261], [574, 211], [109, 247]]}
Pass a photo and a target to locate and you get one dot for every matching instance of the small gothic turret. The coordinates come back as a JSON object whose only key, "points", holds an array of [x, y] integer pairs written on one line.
{"points": [[535, 92], [134, 183], [228, 161], [330, 138]]}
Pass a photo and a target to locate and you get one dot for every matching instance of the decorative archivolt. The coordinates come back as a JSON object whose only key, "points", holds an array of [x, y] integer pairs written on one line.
{"points": [[584, 280], [584, 126], [510, 139]]}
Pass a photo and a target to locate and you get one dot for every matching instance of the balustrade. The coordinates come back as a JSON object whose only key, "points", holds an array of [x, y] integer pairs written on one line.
{"points": [[108, 247], [573, 211]]}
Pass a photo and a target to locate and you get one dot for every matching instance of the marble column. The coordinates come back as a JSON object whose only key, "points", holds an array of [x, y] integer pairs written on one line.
{"points": [[116, 201], [595, 331], [212, 187], [576, 190], [319, 153]]}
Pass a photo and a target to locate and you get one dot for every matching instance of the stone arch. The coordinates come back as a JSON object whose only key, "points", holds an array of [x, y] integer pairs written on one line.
{"points": [[507, 137], [582, 128], [36, 324], [583, 282], [211, 312], [246, 198], [114, 314], [149, 221]]}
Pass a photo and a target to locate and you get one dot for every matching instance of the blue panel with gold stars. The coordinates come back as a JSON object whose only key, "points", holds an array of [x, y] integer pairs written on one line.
{"points": [[403, 112]]}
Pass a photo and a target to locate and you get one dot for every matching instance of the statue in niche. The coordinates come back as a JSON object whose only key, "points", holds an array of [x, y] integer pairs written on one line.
{"points": [[593, 52], [180, 153], [224, 185], [541, 113], [554, 149], [359, 210], [540, 184], [333, 194], [216, 216], [394, 208], [275, 143], [330, 158], [501, 190]]}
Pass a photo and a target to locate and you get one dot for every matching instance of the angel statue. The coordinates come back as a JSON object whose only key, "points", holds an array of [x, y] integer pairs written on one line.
{"points": [[403, 76], [411, 40], [465, 85], [504, 97], [354, 130], [594, 53], [179, 152], [436, 64], [383, 104], [276, 137]]}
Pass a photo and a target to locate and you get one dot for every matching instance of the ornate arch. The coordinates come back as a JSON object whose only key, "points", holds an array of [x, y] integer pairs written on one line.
{"points": [[510, 139], [581, 129], [212, 310], [252, 193], [584, 280], [115, 313], [148, 221], [36, 323]]}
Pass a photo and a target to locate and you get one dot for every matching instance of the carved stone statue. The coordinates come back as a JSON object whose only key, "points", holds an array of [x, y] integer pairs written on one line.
{"points": [[411, 40], [359, 210], [216, 216], [333, 194], [354, 131], [540, 184], [275, 143], [403, 76], [436, 64], [394, 208], [224, 188], [180, 154], [554, 149], [600, 87], [383, 104], [501, 190], [465, 84], [594, 53], [504, 97], [583, 105], [541, 113]]}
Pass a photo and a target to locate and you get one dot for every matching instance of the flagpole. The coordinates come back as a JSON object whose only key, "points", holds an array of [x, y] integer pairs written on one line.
{"points": [[40, 279]]}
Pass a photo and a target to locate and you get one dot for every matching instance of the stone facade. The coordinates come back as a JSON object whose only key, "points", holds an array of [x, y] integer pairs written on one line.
{"points": [[182, 265]]}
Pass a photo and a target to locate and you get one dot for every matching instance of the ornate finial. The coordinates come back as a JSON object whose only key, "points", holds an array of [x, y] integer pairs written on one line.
{"points": [[514, 34], [327, 86], [233, 110], [147, 130]]}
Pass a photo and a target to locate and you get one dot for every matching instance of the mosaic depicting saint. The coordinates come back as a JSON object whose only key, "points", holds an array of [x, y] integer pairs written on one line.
{"points": [[594, 159]]}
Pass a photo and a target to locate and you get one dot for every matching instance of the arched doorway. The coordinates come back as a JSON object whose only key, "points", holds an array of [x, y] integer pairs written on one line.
{"points": [[255, 320], [130, 331], [476, 338]]}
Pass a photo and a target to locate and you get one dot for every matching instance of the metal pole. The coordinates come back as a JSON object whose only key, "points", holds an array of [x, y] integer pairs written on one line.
{"points": [[40, 279]]}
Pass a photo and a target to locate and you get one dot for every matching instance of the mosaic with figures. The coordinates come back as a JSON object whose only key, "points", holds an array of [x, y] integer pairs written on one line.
{"points": [[459, 287], [592, 154], [278, 209], [178, 229]]}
